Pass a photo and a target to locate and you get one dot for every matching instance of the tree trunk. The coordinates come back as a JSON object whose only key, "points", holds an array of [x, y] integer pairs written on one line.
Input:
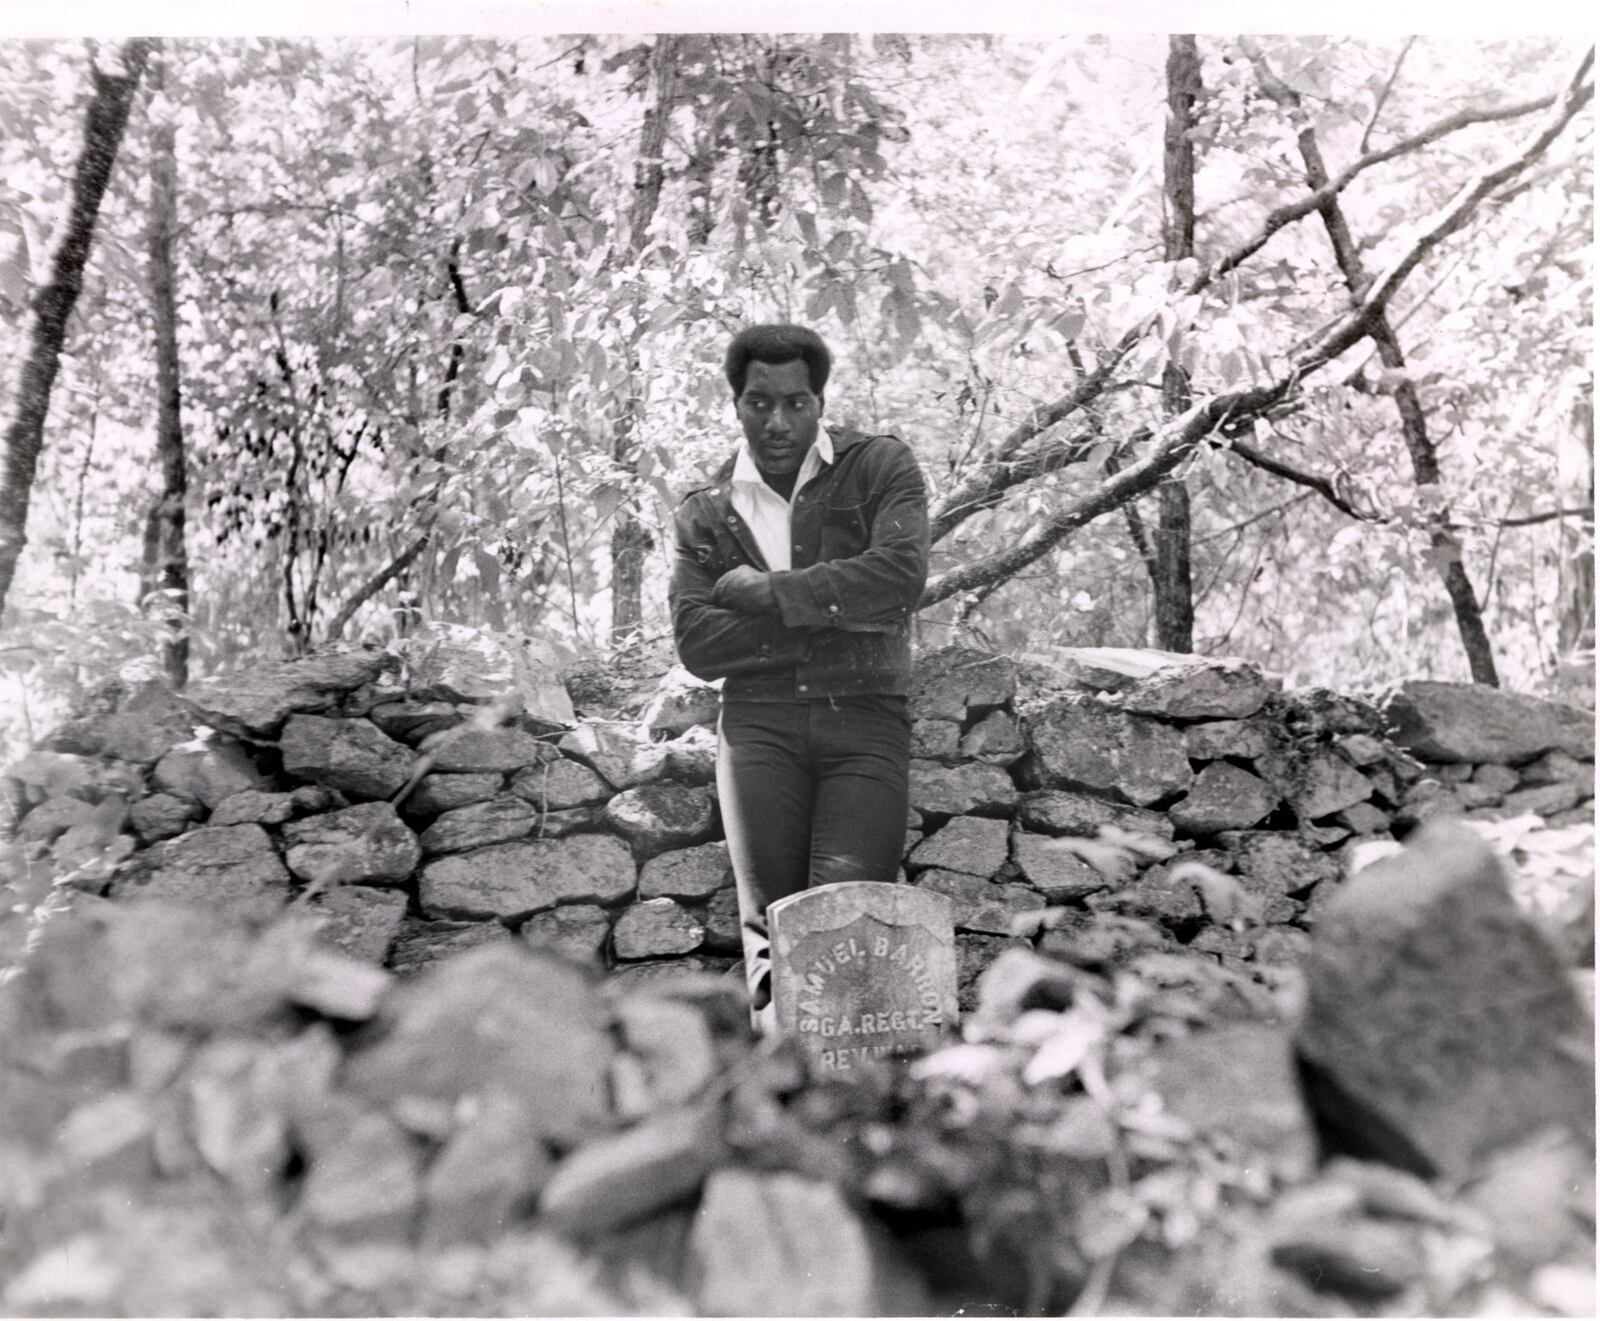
{"points": [[171, 569], [46, 332], [630, 539], [1413, 421], [1174, 589], [1575, 630]]}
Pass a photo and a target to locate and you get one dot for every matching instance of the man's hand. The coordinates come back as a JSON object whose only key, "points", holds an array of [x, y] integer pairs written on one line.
{"points": [[746, 590]]}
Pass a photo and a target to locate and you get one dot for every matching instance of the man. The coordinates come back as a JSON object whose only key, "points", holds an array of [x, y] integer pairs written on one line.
{"points": [[796, 575]]}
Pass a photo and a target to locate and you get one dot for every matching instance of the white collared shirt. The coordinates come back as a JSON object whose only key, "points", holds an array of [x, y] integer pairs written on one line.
{"points": [[764, 511]]}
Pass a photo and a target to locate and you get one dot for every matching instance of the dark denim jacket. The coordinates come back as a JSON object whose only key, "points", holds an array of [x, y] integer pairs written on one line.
{"points": [[843, 626]]}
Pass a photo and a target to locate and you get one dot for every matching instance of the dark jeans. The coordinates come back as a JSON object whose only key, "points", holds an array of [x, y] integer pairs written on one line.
{"points": [[811, 793]]}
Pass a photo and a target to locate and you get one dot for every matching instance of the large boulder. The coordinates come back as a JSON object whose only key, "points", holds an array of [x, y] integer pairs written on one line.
{"points": [[1055, 872], [362, 921], [935, 740], [487, 1174], [517, 1024], [142, 729], [692, 873], [680, 702], [949, 683], [1200, 689], [363, 1176], [162, 815], [513, 881], [471, 749], [362, 845], [670, 1050], [273, 809], [623, 1178], [454, 663], [1240, 1082], [441, 793], [233, 867], [658, 817], [1224, 797], [979, 904], [782, 1244], [656, 927], [207, 773], [1316, 781], [477, 825], [972, 844], [621, 753], [424, 942], [556, 785], [53, 818], [1068, 812], [410, 721], [953, 790], [1276, 864], [576, 931], [997, 738], [1080, 742], [1468, 722], [354, 756], [255, 701], [1214, 739], [1439, 1023]]}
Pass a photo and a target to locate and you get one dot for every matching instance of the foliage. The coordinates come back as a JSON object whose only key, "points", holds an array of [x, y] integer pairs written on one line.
{"points": [[427, 366]]}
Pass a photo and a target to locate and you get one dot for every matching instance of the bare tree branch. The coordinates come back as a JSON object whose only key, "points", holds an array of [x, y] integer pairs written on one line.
{"points": [[1314, 201], [375, 584], [989, 483], [1382, 98], [1530, 520], [1179, 436], [1323, 486]]}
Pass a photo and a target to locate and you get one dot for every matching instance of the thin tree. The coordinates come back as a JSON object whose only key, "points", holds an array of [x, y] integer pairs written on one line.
{"points": [[1420, 447], [104, 125], [167, 572], [1169, 549], [630, 539]]}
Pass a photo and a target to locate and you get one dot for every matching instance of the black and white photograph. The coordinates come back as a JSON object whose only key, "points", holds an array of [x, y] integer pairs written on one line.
{"points": [[689, 659]]}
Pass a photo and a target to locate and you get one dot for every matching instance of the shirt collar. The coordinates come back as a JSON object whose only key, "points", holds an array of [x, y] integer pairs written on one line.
{"points": [[745, 470]]}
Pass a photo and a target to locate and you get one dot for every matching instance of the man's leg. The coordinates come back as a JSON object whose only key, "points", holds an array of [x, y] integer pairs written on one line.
{"points": [[863, 765], [764, 788]]}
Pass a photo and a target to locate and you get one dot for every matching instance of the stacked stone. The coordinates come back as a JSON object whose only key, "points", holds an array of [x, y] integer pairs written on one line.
{"points": [[1491, 756], [417, 820], [244, 1083], [1136, 796], [1088, 798]]}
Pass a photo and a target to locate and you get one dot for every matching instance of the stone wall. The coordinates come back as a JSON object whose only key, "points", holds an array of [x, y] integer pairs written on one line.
{"points": [[212, 1111], [465, 802]]}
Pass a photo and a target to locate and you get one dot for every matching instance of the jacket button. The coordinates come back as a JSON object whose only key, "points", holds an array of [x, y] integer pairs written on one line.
{"points": [[833, 609], [802, 688], [731, 520]]}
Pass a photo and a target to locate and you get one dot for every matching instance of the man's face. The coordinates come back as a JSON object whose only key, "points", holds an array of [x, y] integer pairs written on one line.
{"points": [[779, 415]]}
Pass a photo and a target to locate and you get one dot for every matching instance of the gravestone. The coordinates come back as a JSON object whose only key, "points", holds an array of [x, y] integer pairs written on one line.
{"points": [[863, 970]]}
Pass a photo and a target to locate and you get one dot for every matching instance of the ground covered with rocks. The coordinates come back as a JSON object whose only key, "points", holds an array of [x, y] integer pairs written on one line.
{"points": [[414, 991]]}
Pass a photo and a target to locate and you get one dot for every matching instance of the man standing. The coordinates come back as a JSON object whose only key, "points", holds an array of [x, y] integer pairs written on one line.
{"points": [[796, 575]]}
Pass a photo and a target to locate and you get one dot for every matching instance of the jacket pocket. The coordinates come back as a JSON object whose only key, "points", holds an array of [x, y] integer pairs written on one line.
{"points": [[846, 530]]}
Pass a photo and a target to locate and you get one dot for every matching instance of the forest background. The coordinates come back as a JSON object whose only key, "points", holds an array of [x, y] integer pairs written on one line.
{"points": [[1275, 347]]}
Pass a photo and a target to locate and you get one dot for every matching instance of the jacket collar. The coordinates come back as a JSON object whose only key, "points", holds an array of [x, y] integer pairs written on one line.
{"points": [[841, 438]]}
